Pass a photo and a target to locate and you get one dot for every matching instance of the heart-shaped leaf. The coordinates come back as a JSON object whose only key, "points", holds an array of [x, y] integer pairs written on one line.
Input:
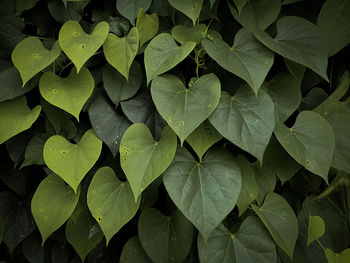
{"points": [[15, 117], [202, 138], [342, 257], [280, 220], [190, 8], [205, 191], [52, 204], [310, 142], [142, 158], [78, 45], [30, 57], [250, 244], [300, 41], [256, 14], [165, 238], [247, 58], [111, 201], [184, 34], [82, 231], [245, 120], [185, 109], [121, 51], [34, 150], [108, 124], [316, 229], [240, 4], [70, 93], [147, 25], [117, 87], [162, 54], [72, 161], [133, 252], [130, 8]]}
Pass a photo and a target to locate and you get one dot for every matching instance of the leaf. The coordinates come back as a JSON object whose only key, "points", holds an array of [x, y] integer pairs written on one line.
{"points": [[78, 45], [300, 41], [256, 14], [142, 158], [165, 238], [34, 150], [17, 219], [70, 93], [162, 54], [147, 25], [285, 92], [82, 231], [131, 8], [316, 229], [117, 87], [15, 117], [133, 252], [334, 21], [111, 202], [30, 57], [250, 190], [342, 257], [190, 8], [11, 84], [295, 69], [251, 243], [247, 58], [246, 120], [52, 204], [279, 162], [280, 220], [184, 34], [121, 51], [185, 109], [108, 124], [240, 4], [206, 191], [203, 137], [310, 142], [72, 161]]}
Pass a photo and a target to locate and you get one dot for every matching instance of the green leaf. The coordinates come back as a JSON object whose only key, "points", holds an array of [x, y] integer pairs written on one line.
{"points": [[246, 120], [108, 124], [142, 158], [316, 229], [203, 137], [131, 8], [205, 191], [247, 58], [342, 257], [147, 25], [240, 4], [295, 69], [30, 57], [310, 142], [72, 161], [280, 220], [250, 190], [250, 244], [15, 117], [133, 252], [162, 54], [185, 109], [256, 14], [334, 21], [78, 45], [111, 201], [184, 34], [52, 204], [190, 8], [17, 219], [70, 93], [121, 51], [34, 150], [285, 92], [300, 41], [82, 231], [165, 238], [117, 87]]}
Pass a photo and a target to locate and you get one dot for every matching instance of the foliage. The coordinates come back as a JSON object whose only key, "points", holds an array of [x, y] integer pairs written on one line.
{"points": [[174, 131]]}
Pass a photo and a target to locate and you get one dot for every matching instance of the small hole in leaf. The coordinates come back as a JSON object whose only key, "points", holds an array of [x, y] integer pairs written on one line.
{"points": [[55, 91], [308, 162], [63, 152], [98, 210], [83, 47], [182, 123], [99, 218], [76, 33]]}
